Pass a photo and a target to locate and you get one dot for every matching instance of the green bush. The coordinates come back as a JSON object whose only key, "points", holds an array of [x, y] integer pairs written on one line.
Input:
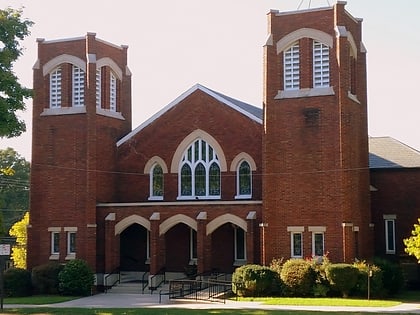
{"points": [[392, 276], [375, 280], [343, 277], [322, 286], [17, 282], [255, 280], [45, 278], [76, 278], [298, 277]]}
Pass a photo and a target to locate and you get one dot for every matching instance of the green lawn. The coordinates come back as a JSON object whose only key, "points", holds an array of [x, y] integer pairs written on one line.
{"points": [[166, 311], [410, 296]]}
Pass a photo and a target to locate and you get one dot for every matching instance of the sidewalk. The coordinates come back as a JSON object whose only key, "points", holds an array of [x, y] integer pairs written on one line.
{"points": [[152, 301]]}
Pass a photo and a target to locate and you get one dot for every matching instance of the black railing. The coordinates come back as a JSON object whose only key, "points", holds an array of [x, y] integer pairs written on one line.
{"points": [[206, 290], [144, 281], [114, 272], [156, 280]]}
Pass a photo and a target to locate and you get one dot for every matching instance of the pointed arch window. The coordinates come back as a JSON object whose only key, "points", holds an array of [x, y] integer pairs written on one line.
{"points": [[244, 180], [55, 88], [156, 183], [291, 65], [199, 172]]}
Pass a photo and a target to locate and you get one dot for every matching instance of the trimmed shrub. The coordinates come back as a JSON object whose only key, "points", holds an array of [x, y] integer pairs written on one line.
{"points": [[45, 278], [255, 280], [17, 282], [343, 277], [298, 277], [76, 278], [392, 276]]}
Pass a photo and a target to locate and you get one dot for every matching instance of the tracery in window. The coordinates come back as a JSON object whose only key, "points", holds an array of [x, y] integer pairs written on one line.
{"points": [[199, 172], [291, 64]]}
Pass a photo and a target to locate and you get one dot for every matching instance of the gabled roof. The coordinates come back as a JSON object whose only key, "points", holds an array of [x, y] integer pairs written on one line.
{"points": [[386, 152], [248, 110]]}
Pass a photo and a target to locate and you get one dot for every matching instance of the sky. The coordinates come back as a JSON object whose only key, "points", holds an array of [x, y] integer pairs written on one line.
{"points": [[219, 43]]}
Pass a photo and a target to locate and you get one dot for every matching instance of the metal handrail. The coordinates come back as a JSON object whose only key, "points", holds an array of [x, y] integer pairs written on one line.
{"points": [[160, 274], [145, 282], [113, 272], [209, 290]]}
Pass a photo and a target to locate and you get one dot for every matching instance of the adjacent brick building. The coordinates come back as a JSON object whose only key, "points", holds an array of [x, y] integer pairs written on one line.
{"points": [[210, 182]]}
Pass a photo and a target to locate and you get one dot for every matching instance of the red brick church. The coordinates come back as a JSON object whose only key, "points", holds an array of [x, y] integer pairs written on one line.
{"points": [[210, 181]]}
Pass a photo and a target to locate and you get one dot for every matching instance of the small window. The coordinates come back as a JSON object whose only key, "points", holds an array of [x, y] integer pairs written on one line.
{"points": [[240, 244], [78, 82], [55, 243], [55, 88], [113, 93], [193, 244], [291, 64], [296, 245], [156, 182], [71, 242], [321, 64], [318, 244], [244, 180], [390, 236]]}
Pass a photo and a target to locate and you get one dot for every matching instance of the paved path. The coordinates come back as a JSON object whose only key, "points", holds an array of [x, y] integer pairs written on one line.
{"points": [[110, 300]]}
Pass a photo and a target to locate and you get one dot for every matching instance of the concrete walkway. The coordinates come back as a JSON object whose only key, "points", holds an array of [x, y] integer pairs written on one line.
{"points": [[110, 300]]}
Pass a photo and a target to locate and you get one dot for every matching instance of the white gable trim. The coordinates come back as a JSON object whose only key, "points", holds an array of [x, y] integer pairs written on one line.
{"points": [[180, 99]]}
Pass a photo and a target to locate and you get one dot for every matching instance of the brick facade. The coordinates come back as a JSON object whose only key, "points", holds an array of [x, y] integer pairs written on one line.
{"points": [[307, 151]]}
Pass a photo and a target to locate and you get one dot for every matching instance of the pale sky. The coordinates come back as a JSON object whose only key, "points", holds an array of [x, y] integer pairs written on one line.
{"points": [[176, 44]]}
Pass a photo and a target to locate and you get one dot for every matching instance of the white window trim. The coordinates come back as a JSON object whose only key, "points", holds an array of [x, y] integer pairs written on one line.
{"points": [[291, 67], [151, 174], [54, 231], [192, 258], [317, 230], [207, 162], [99, 88], [78, 87], [386, 220], [55, 87], [238, 190], [295, 230], [320, 53], [239, 261], [113, 92]]}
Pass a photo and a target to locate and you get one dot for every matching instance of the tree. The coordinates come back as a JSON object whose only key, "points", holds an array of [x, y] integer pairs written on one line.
{"points": [[14, 187], [18, 230], [412, 244], [12, 29]]}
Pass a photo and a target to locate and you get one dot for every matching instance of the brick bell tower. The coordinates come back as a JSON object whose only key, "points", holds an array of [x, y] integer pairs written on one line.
{"points": [[81, 107], [315, 142]]}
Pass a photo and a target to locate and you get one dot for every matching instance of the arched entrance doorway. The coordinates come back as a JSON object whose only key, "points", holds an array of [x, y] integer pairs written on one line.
{"points": [[134, 248]]}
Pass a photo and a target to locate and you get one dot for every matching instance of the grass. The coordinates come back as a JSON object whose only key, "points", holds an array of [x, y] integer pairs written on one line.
{"points": [[409, 296], [325, 302], [38, 299], [169, 311]]}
